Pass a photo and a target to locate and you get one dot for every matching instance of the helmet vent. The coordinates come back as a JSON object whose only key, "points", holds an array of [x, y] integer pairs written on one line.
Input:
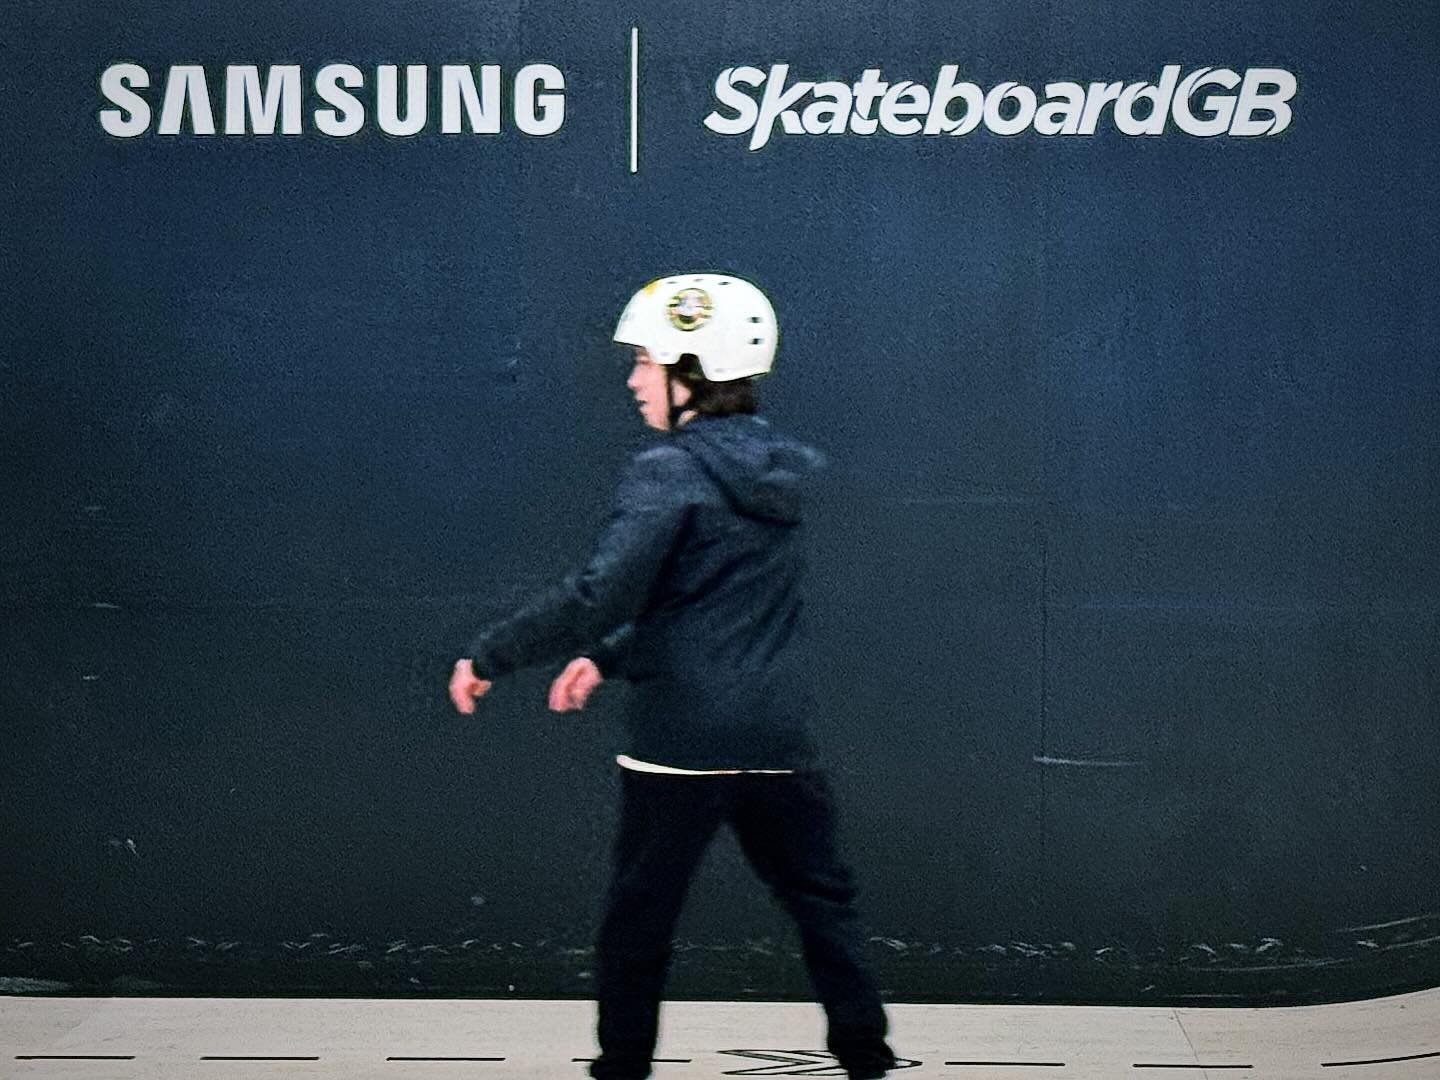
{"points": [[757, 341], [754, 318]]}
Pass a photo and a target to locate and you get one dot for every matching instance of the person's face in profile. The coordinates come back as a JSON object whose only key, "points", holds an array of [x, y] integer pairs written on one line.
{"points": [[647, 384]]}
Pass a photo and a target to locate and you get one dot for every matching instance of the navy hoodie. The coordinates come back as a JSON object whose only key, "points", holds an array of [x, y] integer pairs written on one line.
{"points": [[692, 594]]}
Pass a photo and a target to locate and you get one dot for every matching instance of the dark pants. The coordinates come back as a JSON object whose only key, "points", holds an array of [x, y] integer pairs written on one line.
{"points": [[786, 828]]}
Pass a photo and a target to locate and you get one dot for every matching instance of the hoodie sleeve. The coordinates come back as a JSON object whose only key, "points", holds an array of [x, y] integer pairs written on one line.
{"points": [[609, 652], [611, 589]]}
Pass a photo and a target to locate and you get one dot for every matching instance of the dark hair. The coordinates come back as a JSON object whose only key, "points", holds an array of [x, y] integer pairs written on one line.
{"points": [[714, 398]]}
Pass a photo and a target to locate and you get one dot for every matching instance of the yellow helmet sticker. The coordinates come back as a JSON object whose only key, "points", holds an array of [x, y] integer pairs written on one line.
{"points": [[689, 309]]}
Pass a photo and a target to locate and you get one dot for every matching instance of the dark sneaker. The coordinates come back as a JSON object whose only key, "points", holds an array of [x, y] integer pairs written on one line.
{"points": [[603, 1068], [870, 1066]]}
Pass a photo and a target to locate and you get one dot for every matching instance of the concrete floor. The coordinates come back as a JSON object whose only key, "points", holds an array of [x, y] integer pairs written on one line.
{"points": [[1396, 1038]]}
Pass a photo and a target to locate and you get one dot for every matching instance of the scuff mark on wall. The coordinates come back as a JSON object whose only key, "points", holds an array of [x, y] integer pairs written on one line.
{"points": [[1387, 925], [1086, 763]]}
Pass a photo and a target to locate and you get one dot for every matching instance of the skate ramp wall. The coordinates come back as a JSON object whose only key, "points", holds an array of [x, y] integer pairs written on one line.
{"points": [[1124, 570]]}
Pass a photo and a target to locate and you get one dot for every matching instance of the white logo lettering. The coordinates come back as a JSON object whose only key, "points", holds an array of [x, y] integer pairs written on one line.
{"points": [[830, 111], [893, 106], [1159, 99], [1274, 102], [186, 88], [243, 96], [482, 107], [350, 116], [387, 105], [952, 107], [746, 111], [1023, 96], [946, 91], [868, 90], [262, 101], [539, 114], [1218, 106], [776, 105], [115, 84]]}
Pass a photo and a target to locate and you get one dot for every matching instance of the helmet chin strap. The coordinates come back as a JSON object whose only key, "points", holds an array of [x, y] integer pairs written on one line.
{"points": [[673, 412]]}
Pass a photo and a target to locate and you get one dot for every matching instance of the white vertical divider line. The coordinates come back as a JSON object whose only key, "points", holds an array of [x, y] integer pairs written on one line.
{"points": [[634, 99]]}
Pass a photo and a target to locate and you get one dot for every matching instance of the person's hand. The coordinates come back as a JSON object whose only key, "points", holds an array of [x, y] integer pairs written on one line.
{"points": [[465, 688], [572, 687]]}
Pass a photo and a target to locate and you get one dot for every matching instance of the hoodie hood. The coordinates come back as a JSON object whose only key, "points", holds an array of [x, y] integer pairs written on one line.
{"points": [[764, 474]]}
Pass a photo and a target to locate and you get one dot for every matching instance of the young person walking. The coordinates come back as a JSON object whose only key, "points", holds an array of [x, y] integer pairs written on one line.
{"points": [[693, 595]]}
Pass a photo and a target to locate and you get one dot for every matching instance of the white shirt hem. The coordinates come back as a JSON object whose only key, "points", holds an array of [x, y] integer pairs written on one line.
{"points": [[625, 761]]}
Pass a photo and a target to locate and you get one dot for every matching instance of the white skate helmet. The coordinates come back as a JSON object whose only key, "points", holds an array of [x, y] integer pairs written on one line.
{"points": [[725, 321]]}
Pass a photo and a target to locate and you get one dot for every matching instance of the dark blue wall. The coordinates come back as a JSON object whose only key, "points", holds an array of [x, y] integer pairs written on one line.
{"points": [[1126, 573]]}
